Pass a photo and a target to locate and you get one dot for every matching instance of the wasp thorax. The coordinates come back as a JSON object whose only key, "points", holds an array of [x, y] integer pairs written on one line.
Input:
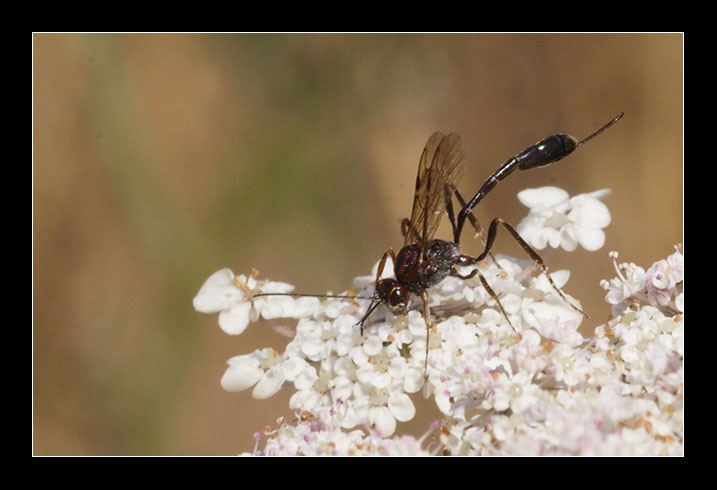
{"points": [[417, 273]]}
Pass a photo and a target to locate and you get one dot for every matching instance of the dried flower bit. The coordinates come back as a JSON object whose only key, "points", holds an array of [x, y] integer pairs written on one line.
{"points": [[306, 416], [242, 285]]}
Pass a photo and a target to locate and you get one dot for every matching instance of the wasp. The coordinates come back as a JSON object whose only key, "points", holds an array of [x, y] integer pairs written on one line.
{"points": [[423, 261]]}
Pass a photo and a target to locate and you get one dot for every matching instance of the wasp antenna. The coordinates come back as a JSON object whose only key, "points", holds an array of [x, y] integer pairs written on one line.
{"points": [[303, 295], [616, 119]]}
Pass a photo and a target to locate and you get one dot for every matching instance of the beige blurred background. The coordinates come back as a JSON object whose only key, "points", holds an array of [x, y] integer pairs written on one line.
{"points": [[159, 159]]}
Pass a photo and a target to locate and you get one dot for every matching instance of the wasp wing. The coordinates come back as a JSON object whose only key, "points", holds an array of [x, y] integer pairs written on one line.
{"points": [[441, 163]]}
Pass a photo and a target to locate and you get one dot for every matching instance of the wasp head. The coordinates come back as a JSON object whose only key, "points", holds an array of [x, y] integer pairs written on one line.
{"points": [[394, 295]]}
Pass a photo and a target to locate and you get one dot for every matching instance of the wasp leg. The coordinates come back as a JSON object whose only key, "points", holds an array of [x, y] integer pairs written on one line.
{"points": [[427, 319], [471, 217], [493, 230], [487, 287]]}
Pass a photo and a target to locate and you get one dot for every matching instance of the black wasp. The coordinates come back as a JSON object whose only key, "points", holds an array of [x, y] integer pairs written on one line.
{"points": [[424, 261]]}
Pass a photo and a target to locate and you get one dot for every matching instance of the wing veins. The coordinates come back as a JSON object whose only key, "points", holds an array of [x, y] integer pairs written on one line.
{"points": [[441, 163]]}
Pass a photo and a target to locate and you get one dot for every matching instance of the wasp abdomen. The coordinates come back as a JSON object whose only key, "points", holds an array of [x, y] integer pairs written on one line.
{"points": [[546, 151]]}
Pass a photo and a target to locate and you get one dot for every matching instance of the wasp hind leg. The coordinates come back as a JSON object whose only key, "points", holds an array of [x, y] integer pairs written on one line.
{"points": [[486, 286], [493, 230]]}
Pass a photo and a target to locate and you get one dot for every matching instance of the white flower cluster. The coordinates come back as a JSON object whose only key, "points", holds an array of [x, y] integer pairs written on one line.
{"points": [[319, 433], [618, 393], [661, 286], [533, 385], [558, 220]]}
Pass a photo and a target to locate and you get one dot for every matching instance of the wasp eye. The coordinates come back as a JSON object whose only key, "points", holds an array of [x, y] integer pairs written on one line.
{"points": [[398, 299]]}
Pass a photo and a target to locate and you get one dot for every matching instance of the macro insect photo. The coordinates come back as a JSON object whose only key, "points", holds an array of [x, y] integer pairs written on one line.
{"points": [[412, 244], [519, 384]]}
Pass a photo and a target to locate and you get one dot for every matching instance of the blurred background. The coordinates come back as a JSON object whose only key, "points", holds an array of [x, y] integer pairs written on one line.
{"points": [[159, 159]]}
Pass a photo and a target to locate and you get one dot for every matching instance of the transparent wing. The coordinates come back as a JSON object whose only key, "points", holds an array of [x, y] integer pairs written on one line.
{"points": [[442, 161], [423, 181]]}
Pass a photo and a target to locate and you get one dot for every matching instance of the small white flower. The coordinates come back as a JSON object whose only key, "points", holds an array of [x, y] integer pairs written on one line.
{"points": [[659, 274], [243, 372], [570, 367], [219, 294], [552, 317], [557, 220], [261, 369], [231, 297], [517, 392], [398, 407], [626, 285]]}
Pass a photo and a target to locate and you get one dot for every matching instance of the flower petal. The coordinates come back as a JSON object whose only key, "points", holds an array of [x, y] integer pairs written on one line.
{"points": [[384, 421], [372, 346], [271, 307], [235, 320], [268, 385], [402, 407], [601, 194], [590, 213], [243, 372], [304, 400], [413, 380], [543, 197], [568, 238], [591, 239], [217, 293]]}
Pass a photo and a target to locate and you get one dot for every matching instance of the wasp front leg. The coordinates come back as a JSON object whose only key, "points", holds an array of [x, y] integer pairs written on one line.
{"points": [[429, 327]]}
